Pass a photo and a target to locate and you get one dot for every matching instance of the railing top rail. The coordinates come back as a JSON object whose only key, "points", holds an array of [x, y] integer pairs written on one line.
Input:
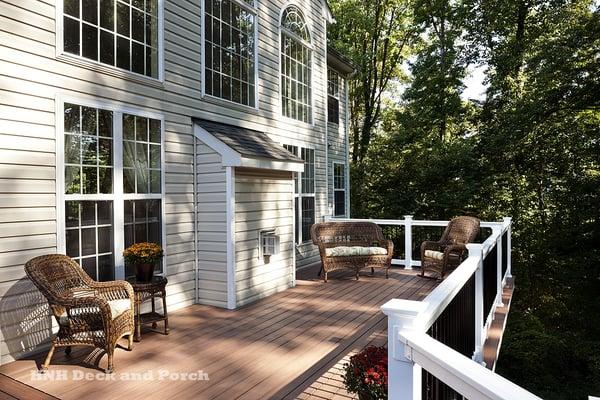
{"points": [[472, 380], [420, 222]]}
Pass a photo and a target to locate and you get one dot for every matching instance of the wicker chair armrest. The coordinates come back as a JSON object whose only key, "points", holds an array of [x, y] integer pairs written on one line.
{"points": [[89, 306], [430, 245], [390, 247], [113, 290]]}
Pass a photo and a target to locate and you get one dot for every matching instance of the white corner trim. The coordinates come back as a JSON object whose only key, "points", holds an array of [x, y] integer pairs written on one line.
{"points": [[347, 144], [230, 198], [60, 182]]}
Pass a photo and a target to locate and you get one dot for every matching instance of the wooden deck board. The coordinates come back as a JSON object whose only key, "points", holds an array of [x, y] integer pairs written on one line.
{"points": [[493, 341], [11, 389], [279, 347]]}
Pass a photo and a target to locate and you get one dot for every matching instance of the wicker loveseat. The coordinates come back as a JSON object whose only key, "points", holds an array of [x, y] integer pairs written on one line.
{"points": [[88, 313], [353, 245], [447, 253]]}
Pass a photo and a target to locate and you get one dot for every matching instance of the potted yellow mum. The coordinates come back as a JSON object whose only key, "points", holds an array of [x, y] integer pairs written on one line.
{"points": [[144, 257]]}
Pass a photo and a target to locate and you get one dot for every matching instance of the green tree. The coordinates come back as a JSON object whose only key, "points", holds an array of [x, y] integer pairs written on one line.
{"points": [[433, 96], [376, 35], [530, 150]]}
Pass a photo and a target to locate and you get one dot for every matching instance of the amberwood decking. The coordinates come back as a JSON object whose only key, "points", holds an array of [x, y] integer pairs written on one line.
{"points": [[275, 348]]}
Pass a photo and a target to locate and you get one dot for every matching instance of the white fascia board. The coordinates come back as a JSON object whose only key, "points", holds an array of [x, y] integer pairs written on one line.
{"points": [[327, 13], [272, 164], [231, 158]]}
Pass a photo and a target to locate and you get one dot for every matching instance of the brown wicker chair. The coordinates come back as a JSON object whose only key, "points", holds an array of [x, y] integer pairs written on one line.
{"points": [[447, 253], [329, 235], [88, 313]]}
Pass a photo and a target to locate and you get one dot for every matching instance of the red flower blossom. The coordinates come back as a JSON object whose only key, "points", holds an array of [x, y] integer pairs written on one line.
{"points": [[366, 373]]}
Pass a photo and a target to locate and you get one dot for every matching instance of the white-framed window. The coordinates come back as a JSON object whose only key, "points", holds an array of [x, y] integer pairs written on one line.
{"points": [[230, 50], [333, 96], [119, 33], [339, 189], [112, 187], [296, 66], [304, 193]]}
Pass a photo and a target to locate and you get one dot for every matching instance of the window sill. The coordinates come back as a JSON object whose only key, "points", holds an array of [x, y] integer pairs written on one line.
{"points": [[108, 70], [217, 101]]}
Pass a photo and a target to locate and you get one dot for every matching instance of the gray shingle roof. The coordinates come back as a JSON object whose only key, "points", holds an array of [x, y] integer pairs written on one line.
{"points": [[247, 142]]}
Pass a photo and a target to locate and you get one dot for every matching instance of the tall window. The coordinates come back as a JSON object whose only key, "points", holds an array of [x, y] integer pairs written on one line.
{"points": [[229, 50], [304, 202], [120, 33], [102, 218], [296, 60], [339, 189], [333, 96]]}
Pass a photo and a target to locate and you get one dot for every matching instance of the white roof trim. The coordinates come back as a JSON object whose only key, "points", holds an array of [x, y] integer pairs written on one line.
{"points": [[328, 14], [272, 164], [231, 158]]}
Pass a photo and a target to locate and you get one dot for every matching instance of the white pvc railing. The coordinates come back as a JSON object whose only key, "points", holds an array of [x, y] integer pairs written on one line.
{"points": [[408, 223], [411, 349]]}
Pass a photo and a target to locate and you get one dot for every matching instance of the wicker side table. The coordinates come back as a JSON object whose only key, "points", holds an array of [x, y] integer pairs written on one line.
{"points": [[149, 290]]}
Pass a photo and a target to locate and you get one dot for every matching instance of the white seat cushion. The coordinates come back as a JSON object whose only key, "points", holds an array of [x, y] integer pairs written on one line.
{"points": [[117, 307], [436, 255], [348, 251]]}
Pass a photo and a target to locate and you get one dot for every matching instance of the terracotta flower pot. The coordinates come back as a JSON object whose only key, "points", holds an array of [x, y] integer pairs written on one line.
{"points": [[144, 272]]}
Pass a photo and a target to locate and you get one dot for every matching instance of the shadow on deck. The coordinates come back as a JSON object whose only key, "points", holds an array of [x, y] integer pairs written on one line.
{"points": [[285, 346]]}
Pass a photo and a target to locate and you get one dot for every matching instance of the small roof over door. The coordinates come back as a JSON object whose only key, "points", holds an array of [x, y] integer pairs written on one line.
{"points": [[241, 147]]}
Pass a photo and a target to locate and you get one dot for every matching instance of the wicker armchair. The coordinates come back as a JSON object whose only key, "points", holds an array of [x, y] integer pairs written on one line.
{"points": [[362, 237], [88, 313], [447, 253]]}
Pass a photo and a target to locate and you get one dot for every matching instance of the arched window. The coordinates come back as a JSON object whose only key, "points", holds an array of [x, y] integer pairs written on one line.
{"points": [[296, 60]]}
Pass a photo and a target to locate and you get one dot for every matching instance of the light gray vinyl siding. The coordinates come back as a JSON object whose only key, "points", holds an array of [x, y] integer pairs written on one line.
{"points": [[212, 227], [32, 75], [337, 142], [267, 118], [264, 200]]}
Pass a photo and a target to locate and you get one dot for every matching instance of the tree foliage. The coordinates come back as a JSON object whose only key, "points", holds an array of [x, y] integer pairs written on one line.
{"points": [[530, 149], [376, 35]]}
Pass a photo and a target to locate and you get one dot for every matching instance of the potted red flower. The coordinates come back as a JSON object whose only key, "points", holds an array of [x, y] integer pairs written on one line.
{"points": [[144, 257], [366, 374]]}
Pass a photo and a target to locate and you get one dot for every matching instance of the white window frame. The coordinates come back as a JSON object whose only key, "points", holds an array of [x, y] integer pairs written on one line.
{"points": [[254, 10], [311, 48], [343, 165], [118, 197], [333, 72], [336, 95], [298, 195], [81, 61]]}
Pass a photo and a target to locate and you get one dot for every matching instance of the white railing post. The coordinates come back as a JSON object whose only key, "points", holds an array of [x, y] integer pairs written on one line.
{"points": [[508, 220], [408, 241], [476, 250], [498, 232], [404, 375]]}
